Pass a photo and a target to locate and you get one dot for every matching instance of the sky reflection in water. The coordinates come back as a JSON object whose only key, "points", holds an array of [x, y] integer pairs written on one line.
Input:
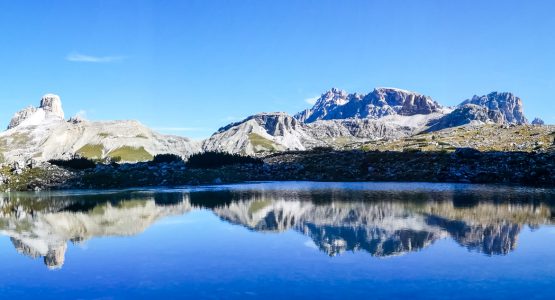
{"points": [[271, 240]]}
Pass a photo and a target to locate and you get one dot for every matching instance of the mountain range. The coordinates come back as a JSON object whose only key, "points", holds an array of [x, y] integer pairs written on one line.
{"points": [[337, 119]]}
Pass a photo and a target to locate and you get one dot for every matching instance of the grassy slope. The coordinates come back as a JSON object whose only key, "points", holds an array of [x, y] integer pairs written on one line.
{"points": [[259, 141], [91, 151], [484, 138], [127, 153]]}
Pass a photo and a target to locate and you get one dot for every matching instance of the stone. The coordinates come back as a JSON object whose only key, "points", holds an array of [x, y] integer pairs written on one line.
{"points": [[337, 104], [52, 104], [502, 108], [466, 153], [538, 121], [21, 116]]}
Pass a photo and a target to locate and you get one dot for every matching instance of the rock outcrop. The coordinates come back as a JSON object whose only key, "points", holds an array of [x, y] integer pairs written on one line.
{"points": [[502, 108], [21, 116], [50, 109], [274, 132], [261, 133], [337, 104], [52, 105], [494, 108], [42, 133]]}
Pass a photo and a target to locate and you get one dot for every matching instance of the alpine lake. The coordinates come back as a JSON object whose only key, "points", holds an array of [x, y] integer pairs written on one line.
{"points": [[280, 240]]}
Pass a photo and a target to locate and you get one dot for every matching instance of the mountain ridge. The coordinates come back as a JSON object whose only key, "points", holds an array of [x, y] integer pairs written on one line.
{"points": [[338, 119]]}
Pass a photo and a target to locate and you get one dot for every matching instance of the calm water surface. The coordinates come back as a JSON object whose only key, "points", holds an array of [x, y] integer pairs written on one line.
{"points": [[278, 240]]}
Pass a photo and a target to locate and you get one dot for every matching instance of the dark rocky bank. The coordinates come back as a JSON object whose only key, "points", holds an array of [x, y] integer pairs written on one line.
{"points": [[464, 166]]}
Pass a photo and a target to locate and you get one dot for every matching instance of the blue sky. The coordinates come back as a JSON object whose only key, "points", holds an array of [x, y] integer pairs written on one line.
{"points": [[189, 67]]}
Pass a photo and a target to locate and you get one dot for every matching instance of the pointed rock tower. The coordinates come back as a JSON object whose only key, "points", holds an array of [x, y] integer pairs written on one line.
{"points": [[52, 105]]}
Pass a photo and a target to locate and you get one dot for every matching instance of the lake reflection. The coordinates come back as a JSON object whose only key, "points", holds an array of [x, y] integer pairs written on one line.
{"points": [[380, 219]]}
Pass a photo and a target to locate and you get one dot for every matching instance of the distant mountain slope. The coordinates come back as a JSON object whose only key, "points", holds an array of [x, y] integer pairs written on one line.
{"points": [[337, 104], [494, 108], [339, 119], [273, 132], [265, 132], [42, 133]]}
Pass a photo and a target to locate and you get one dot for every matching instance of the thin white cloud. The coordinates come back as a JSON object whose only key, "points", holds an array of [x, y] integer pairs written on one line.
{"points": [[312, 100], [81, 114], [78, 57]]}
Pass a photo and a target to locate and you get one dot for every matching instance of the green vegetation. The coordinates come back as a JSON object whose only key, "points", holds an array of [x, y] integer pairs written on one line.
{"points": [[259, 141], [208, 160], [166, 158], [74, 163], [484, 138], [103, 134], [131, 154], [91, 151], [24, 181]]}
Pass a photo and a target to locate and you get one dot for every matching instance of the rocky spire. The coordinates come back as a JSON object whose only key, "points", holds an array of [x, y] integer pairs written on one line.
{"points": [[52, 104]]}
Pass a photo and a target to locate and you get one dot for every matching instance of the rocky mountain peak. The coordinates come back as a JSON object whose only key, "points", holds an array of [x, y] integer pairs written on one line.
{"points": [[538, 121], [503, 107], [383, 101], [334, 96], [52, 104], [50, 108], [403, 102], [21, 116]]}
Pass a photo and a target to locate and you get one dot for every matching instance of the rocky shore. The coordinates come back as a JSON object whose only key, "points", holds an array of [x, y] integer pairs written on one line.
{"points": [[464, 165]]}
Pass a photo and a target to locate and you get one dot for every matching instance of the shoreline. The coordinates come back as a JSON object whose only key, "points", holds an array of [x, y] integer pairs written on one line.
{"points": [[461, 166]]}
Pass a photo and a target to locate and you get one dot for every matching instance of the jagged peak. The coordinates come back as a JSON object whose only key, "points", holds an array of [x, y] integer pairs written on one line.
{"points": [[503, 104], [394, 89], [50, 107], [262, 115], [52, 103], [335, 90]]}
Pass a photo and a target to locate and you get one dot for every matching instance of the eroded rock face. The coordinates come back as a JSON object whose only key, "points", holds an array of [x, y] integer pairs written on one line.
{"points": [[52, 104], [50, 108], [502, 108], [21, 116], [337, 104], [261, 133], [465, 114], [494, 108], [43, 134]]}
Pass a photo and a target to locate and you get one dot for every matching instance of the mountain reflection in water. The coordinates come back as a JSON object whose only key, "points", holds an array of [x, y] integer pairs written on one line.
{"points": [[380, 222]]}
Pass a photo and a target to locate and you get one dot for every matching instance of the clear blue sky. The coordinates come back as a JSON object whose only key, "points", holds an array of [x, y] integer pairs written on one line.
{"points": [[193, 66]]}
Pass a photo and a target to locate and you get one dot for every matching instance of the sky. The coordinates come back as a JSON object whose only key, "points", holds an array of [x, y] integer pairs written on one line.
{"points": [[190, 67]]}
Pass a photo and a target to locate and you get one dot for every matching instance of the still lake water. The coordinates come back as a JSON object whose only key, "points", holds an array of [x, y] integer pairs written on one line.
{"points": [[280, 240]]}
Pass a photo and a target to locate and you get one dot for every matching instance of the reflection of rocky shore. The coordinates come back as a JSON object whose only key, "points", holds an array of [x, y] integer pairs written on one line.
{"points": [[45, 233], [380, 223], [393, 225]]}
